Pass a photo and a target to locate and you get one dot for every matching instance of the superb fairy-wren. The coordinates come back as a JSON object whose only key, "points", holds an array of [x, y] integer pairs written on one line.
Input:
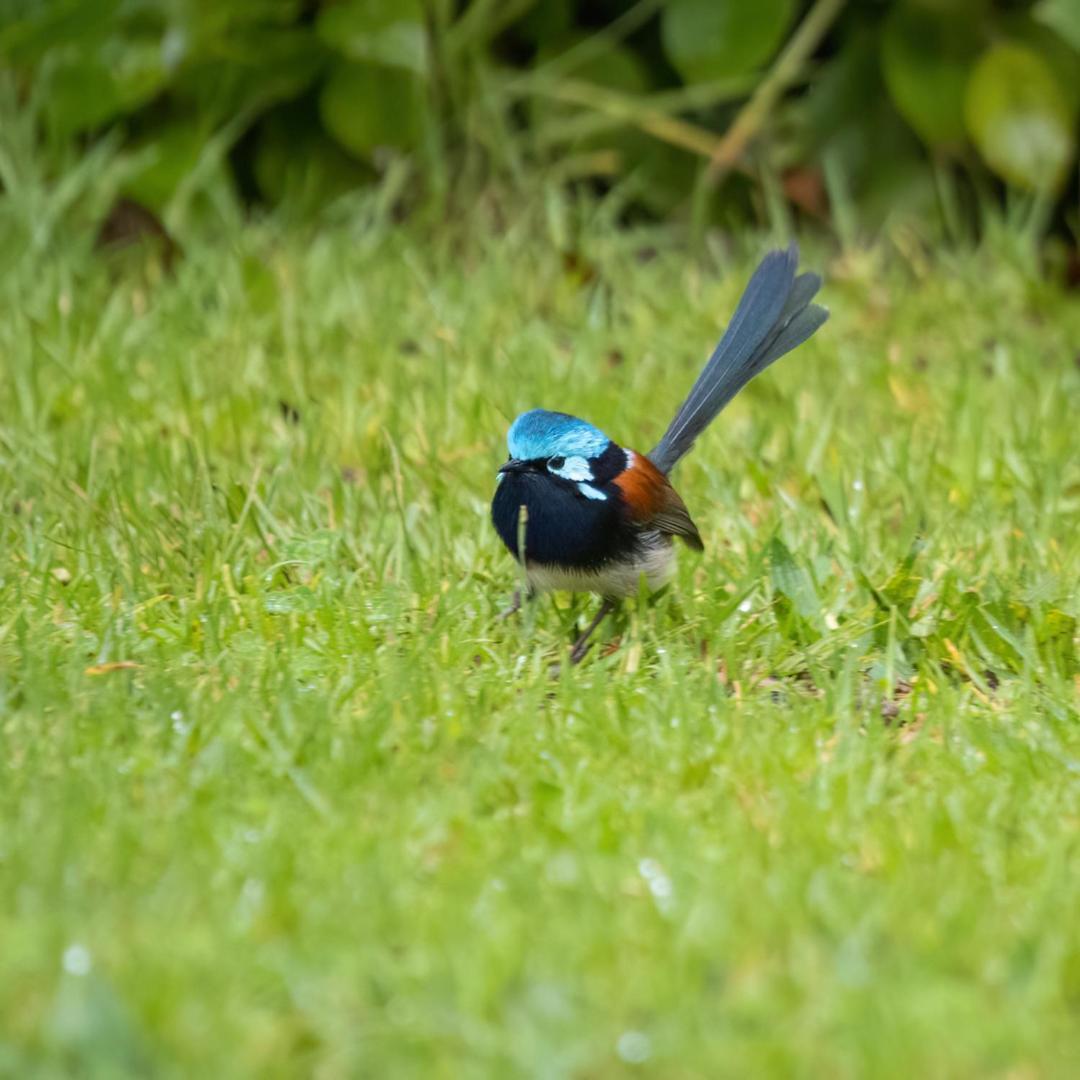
{"points": [[596, 517]]}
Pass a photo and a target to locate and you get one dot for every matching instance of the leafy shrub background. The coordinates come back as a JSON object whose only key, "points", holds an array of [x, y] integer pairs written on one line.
{"points": [[859, 113]]}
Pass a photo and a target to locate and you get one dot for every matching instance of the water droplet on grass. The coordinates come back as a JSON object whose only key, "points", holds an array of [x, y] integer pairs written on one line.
{"points": [[663, 892], [77, 960], [633, 1047]]}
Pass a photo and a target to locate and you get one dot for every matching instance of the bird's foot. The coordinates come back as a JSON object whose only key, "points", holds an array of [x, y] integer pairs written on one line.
{"points": [[513, 607], [580, 650]]}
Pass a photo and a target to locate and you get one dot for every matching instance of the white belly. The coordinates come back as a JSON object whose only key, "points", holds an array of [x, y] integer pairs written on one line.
{"points": [[656, 564]]}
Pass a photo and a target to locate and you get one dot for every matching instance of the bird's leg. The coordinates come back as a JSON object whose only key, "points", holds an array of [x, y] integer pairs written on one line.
{"points": [[515, 603], [581, 646], [513, 607]]}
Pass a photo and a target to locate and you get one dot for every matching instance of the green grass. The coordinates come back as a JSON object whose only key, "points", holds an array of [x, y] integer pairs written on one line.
{"points": [[812, 812]]}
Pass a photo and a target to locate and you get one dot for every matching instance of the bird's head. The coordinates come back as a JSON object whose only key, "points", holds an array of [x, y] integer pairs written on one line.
{"points": [[562, 447]]}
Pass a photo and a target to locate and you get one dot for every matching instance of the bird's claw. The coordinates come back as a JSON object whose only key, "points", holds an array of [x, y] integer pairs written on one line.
{"points": [[512, 608], [579, 651]]}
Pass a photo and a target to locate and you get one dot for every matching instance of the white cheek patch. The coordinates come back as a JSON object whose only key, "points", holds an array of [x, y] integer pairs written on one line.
{"points": [[590, 492], [574, 468]]}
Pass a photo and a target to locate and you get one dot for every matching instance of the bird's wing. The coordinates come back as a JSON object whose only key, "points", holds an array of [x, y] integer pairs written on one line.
{"points": [[653, 503], [675, 520]]}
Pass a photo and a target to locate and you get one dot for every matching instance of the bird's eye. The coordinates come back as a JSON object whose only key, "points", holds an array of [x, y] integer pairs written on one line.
{"points": [[556, 463]]}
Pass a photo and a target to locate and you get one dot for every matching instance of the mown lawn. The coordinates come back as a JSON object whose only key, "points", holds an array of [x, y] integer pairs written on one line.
{"points": [[280, 796]]}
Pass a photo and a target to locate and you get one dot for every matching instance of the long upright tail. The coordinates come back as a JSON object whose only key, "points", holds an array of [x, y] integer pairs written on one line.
{"points": [[773, 317]]}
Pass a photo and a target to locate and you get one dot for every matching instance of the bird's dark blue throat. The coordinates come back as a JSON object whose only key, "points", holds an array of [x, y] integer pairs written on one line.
{"points": [[563, 527]]}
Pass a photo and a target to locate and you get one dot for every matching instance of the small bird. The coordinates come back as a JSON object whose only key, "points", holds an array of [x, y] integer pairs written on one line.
{"points": [[594, 516]]}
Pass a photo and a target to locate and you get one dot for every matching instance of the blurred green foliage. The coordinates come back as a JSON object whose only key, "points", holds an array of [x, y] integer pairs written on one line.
{"points": [[854, 112]]}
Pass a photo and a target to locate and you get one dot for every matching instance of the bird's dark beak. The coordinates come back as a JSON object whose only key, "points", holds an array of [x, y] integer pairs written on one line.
{"points": [[511, 466]]}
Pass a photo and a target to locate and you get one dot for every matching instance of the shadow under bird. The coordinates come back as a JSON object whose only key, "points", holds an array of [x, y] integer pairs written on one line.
{"points": [[594, 516]]}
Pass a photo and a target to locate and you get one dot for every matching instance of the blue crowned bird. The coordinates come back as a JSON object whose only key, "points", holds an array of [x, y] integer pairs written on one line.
{"points": [[594, 516]]}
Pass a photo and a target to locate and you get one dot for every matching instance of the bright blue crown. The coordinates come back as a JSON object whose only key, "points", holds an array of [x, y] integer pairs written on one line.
{"points": [[542, 434]]}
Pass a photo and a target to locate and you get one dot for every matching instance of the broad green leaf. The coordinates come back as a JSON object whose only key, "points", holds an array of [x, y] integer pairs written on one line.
{"points": [[1063, 17], [79, 94], [27, 35], [368, 106], [383, 31], [1060, 57], [1019, 118], [714, 39], [85, 88], [266, 66], [926, 60]]}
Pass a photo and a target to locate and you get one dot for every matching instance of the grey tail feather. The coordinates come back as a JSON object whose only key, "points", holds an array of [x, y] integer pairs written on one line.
{"points": [[773, 317]]}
